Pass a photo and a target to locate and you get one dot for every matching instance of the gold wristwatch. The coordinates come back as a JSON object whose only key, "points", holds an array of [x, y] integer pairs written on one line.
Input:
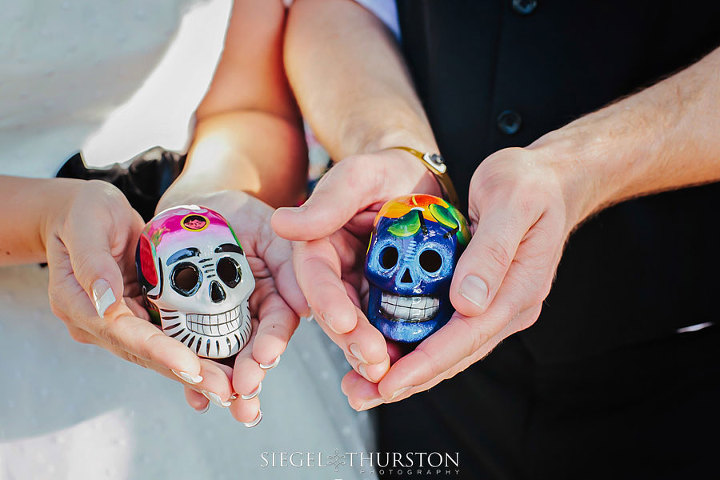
{"points": [[436, 164]]}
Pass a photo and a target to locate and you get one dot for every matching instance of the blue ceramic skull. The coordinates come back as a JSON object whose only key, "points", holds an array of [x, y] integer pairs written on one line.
{"points": [[415, 244]]}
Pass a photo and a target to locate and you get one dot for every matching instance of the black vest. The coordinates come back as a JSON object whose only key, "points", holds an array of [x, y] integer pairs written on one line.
{"points": [[494, 74]]}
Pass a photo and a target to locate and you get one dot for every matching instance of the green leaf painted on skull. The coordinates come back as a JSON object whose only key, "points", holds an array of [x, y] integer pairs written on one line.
{"points": [[157, 236], [406, 225], [443, 215], [453, 219]]}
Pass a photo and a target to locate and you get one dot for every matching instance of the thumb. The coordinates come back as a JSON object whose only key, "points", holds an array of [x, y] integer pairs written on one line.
{"points": [[347, 188], [90, 249], [484, 263]]}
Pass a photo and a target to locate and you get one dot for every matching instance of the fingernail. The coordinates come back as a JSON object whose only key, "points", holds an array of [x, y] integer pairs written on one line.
{"points": [[103, 296], [215, 398], [370, 404], [191, 379], [328, 319], [234, 396], [399, 392], [363, 371], [375, 373], [475, 290], [355, 350], [270, 365], [256, 421], [207, 407], [252, 394]]}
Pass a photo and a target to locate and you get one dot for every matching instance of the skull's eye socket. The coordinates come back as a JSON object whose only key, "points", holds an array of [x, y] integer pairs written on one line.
{"points": [[229, 271], [430, 261], [388, 257], [185, 279]]}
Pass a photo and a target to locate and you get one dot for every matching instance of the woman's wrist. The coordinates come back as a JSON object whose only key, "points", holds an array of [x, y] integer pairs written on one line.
{"points": [[58, 195], [188, 194]]}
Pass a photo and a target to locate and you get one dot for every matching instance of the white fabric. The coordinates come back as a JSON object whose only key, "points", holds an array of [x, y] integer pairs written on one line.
{"points": [[76, 411]]}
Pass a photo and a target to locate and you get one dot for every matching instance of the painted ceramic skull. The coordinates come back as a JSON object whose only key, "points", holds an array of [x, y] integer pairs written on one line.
{"points": [[196, 280], [415, 244]]}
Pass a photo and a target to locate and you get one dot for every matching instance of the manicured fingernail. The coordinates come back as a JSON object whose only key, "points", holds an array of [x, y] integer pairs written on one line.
{"points": [[370, 404], [215, 398], [252, 394], [475, 290], [270, 365], [207, 407], [191, 379], [399, 392], [103, 296], [355, 350], [234, 396], [256, 421], [328, 319]]}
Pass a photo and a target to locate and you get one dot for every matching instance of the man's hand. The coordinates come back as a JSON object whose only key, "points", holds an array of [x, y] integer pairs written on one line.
{"points": [[331, 233], [275, 304], [520, 221], [90, 245]]}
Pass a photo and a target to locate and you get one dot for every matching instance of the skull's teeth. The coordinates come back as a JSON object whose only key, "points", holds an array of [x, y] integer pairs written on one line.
{"points": [[406, 308], [216, 325]]}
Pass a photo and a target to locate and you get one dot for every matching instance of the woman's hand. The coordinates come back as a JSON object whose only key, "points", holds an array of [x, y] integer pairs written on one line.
{"points": [[331, 233], [275, 304], [90, 241], [522, 209]]}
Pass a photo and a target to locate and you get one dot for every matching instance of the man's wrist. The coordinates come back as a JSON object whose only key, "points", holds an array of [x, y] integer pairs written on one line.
{"points": [[420, 178], [571, 163]]}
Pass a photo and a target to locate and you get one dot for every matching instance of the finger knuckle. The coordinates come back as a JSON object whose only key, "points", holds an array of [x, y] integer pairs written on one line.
{"points": [[498, 254], [434, 368], [82, 264], [538, 295], [107, 334], [475, 335], [79, 335], [57, 309], [132, 358]]}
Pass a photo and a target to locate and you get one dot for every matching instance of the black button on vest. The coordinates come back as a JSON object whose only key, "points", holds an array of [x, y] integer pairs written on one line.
{"points": [[509, 122], [524, 7]]}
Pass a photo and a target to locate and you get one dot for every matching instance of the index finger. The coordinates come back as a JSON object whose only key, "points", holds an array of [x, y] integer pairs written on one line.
{"points": [[460, 338], [318, 271]]}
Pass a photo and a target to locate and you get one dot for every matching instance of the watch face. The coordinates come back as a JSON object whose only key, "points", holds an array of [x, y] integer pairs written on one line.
{"points": [[435, 160]]}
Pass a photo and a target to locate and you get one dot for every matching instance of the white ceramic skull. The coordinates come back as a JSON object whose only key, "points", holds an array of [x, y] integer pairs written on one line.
{"points": [[196, 280]]}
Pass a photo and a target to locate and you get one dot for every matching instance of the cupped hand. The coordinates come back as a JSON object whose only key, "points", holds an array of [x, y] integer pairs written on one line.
{"points": [[90, 245], [522, 211], [331, 231], [275, 304]]}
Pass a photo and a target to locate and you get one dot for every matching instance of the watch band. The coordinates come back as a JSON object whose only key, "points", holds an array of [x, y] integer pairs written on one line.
{"points": [[436, 164]]}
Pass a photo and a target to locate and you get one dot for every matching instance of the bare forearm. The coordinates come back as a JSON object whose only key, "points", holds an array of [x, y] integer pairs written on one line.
{"points": [[27, 203], [350, 80], [249, 133], [662, 138], [255, 152]]}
